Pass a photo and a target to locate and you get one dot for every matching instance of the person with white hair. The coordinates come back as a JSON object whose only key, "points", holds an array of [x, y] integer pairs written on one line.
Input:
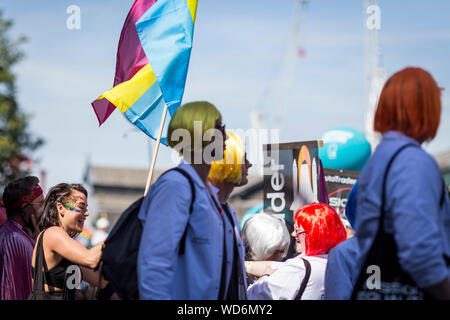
{"points": [[266, 238]]}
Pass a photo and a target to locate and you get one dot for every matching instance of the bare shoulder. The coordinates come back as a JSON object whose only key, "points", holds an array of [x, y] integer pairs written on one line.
{"points": [[55, 233]]}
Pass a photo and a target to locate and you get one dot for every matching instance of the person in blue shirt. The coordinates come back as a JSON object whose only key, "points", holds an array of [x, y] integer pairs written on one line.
{"points": [[341, 272], [197, 133], [224, 176], [417, 209]]}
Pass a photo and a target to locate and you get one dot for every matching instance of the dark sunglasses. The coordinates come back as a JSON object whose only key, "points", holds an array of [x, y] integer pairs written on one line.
{"points": [[221, 128]]}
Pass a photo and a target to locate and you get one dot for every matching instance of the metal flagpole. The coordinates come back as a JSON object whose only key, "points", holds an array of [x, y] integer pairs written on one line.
{"points": [[155, 152]]}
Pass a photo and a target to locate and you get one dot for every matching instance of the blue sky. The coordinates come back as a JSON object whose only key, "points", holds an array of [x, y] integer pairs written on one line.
{"points": [[238, 51]]}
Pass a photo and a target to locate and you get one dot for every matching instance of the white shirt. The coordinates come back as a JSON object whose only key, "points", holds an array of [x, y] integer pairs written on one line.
{"points": [[285, 282]]}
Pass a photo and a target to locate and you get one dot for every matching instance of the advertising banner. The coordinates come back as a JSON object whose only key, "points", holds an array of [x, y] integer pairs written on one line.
{"points": [[339, 184], [291, 176]]}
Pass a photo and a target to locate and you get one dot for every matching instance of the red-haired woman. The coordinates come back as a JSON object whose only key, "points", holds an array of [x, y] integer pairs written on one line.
{"points": [[414, 212], [318, 229]]}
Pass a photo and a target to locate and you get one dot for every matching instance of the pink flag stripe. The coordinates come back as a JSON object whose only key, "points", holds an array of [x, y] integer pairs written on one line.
{"points": [[103, 109], [130, 56]]}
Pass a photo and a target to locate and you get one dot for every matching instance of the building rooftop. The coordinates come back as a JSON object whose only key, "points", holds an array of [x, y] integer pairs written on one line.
{"points": [[114, 189]]}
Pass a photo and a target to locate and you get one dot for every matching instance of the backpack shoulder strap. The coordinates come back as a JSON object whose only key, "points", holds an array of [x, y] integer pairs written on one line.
{"points": [[441, 204], [383, 191], [443, 194], [38, 275], [305, 279], [191, 183]]}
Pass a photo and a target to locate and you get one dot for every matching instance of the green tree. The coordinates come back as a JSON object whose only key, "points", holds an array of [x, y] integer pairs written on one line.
{"points": [[16, 142]]}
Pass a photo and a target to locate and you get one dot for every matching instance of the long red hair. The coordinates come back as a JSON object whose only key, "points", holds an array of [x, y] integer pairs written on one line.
{"points": [[410, 102], [323, 228]]}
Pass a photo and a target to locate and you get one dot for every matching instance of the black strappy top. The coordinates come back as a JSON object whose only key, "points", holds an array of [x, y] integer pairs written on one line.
{"points": [[56, 277]]}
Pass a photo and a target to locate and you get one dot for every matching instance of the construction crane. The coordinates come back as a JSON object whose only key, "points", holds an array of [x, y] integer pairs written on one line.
{"points": [[277, 93], [286, 78], [375, 74]]}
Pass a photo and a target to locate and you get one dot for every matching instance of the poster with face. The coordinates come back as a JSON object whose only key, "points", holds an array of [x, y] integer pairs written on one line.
{"points": [[339, 184], [291, 176]]}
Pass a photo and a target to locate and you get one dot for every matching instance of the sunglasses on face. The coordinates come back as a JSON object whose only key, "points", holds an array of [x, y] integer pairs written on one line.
{"points": [[221, 128]]}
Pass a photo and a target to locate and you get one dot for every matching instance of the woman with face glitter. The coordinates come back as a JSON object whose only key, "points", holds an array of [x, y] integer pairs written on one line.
{"points": [[65, 261]]}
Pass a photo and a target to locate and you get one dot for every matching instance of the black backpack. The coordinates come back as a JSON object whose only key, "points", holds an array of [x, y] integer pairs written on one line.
{"points": [[121, 249]]}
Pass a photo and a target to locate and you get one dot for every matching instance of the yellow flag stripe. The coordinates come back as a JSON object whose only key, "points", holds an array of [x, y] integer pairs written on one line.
{"points": [[124, 95], [193, 8]]}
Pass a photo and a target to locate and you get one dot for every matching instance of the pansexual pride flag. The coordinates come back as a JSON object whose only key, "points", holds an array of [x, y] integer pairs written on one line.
{"points": [[152, 63]]}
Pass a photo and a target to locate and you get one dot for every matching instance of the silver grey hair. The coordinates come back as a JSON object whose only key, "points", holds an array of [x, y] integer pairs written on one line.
{"points": [[264, 235]]}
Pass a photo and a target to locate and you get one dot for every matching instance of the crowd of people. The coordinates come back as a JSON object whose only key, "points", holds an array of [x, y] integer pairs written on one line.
{"points": [[398, 206]]}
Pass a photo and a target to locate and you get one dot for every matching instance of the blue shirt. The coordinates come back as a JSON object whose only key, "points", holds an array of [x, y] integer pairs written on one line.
{"points": [[162, 272], [341, 273], [234, 230], [229, 242], [421, 227]]}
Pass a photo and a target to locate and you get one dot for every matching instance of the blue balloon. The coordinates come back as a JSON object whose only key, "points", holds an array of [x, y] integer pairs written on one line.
{"points": [[344, 148]]}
